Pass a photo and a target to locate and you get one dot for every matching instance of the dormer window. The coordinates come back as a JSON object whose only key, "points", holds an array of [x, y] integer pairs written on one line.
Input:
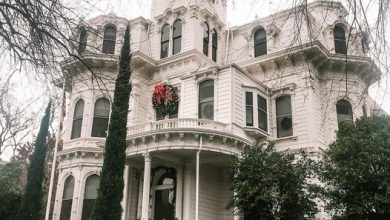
{"points": [[260, 42], [109, 40], [164, 41], [340, 45]]}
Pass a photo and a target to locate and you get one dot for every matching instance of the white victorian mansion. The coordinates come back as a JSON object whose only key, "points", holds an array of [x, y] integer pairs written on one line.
{"points": [[272, 78]]}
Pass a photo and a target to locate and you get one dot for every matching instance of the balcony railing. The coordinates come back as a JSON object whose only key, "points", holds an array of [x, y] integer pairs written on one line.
{"points": [[177, 124]]}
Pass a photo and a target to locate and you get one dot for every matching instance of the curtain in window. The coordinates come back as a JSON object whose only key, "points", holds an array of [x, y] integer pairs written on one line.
{"points": [[344, 112], [177, 33], [77, 119], [260, 42], [67, 199], [340, 45], [90, 195], [214, 45], [206, 100], [206, 39], [100, 117], [165, 41], [262, 113], [109, 40], [284, 116], [82, 40]]}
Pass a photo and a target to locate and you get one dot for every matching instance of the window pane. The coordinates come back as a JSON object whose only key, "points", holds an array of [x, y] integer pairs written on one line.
{"points": [[249, 115], [339, 39], [91, 186], [206, 110], [283, 106], [261, 103], [177, 29], [206, 90], [99, 127], [66, 209], [67, 198], [109, 40], [214, 44], [76, 128], [260, 42], [206, 39], [344, 112], [262, 120], [175, 113], [165, 33], [164, 49], [262, 113], [102, 108], [284, 125], [82, 40], [176, 45], [88, 205], [79, 109]]}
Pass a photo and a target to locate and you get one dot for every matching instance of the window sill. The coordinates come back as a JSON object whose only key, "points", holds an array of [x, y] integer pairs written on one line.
{"points": [[256, 132], [287, 138]]}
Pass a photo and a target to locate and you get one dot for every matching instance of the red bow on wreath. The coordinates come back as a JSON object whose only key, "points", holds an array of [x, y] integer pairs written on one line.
{"points": [[159, 92]]}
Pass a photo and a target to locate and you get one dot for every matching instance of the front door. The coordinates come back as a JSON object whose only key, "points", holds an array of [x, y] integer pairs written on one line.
{"points": [[164, 204], [164, 194]]}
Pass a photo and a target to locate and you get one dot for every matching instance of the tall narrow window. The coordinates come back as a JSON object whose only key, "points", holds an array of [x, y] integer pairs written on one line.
{"points": [[214, 45], [206, 39], [249, 108], [90, 194], [340, 45], [67, 199], [109, 40], [344, 112], [100, 117], [82, 40], [284, 116], [177, 33], [77, 119], [206, 100], [260, 42], [262, 113], [164, 41], [175, 113]]}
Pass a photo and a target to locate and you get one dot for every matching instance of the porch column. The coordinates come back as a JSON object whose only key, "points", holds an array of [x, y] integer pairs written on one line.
{"points": [[188, 189], [179, 194], [146, 188]]}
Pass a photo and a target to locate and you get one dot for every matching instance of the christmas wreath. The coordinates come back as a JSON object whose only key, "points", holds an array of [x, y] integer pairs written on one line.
{"points": [[164, 99]]}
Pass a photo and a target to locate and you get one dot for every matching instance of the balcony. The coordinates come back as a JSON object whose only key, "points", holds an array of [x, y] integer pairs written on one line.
{"points": [[177, 124]]}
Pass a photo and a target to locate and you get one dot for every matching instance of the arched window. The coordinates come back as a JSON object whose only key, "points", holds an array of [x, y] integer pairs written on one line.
{"points": [[206, 99], [284, 116], [214, 45], [77, 119], [164, 186], [344, 112], [82, 40], [109, 40], [101, 115], [165, 41], [206, 39], [90, 195], [260, 42], [67, 199], [340, 45], [177, 33]]}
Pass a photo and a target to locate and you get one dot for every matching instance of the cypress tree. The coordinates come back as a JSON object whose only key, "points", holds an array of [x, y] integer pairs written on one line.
{"points": [[32, 199], [110, 192]]}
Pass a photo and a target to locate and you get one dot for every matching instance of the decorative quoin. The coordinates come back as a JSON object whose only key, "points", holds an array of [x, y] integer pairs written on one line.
{"points": [[164, 99]]}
